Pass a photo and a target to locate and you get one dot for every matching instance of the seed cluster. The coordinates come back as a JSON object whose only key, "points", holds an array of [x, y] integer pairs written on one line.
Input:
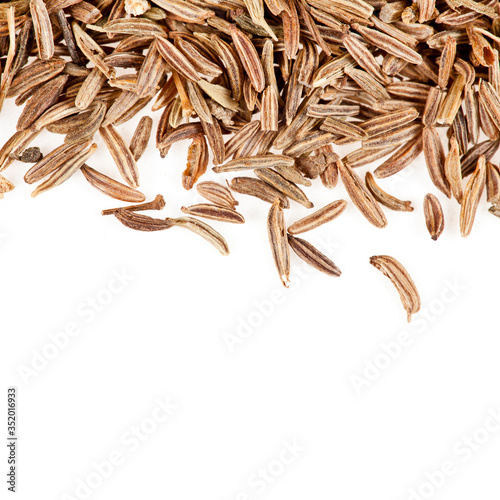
{"points": [[269, 87]]}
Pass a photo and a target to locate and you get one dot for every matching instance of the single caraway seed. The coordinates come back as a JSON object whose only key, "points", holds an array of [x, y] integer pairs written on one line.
{"points": [[310, 254], [434, 217], [318, 218], [214, 212], [472, 194], [361, 196], [157, 204], [386, 199], [217, 193], [401, 279], [278, 240]]}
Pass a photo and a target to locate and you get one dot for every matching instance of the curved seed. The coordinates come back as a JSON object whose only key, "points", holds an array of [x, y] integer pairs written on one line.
{"points": [[400, 278]]}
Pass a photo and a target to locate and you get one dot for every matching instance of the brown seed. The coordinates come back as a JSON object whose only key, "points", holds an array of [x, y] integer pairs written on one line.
{"points": [[43, 29], [492, 183], [400, 278], [258, 189], [204, 230], [434, 217], [65, 171], [434, 157], [289, 189], [278, 240], [453, 169], [361, 196], [197, 162], [121, 155], [255, 162], [141, 222], [472, 195], [141, 137], [217, 193], [214, 212], [110, 187], [157, 204], [310, 254], [386, 199], [318, 218]]}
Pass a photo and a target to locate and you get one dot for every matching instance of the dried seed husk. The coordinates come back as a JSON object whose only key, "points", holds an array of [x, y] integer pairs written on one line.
{"points": [[318, 218], [89, 127], [389, 121], [289, 189], [394, 137], [434, 217], [14, 145], [472, 194], [278, 240], [176, 59], [401, 279], [151, 72], [197, 162], [258, 189], [292, 174], [361, 196], [310, 142], [214, 212], [434, 99], [384, 198], [310, 254], [111, 187], [5, 186]]}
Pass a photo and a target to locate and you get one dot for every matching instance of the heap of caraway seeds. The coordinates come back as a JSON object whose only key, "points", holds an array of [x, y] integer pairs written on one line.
{"points": [[267, 89]]}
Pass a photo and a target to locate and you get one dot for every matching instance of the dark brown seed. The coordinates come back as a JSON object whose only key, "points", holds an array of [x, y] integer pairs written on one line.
{"points": [[310, 254]]}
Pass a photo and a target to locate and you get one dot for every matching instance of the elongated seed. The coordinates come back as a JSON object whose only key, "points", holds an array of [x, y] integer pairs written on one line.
{"points": [[434, 217]]}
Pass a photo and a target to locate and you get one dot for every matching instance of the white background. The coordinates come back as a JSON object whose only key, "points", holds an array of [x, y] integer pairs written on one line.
{"points": [[304, 375]]}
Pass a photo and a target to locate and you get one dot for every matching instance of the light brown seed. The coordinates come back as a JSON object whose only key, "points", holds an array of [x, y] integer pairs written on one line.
{"points": [[254, 162], [384, 198], [217, 193], [65, 171], [121, 154], [447, 60], [111, 187], [401, 158], [343, 128], [205, 231], [434, 158], [310, 254], [472, 194], [361, 196], [453, 169], [318, 218], [276, 231], [214, 212], [289, 189], [258, 189], [42, 28], [141, 137], [401, 279], [53, 161], [434, 217], [176, 59]]}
